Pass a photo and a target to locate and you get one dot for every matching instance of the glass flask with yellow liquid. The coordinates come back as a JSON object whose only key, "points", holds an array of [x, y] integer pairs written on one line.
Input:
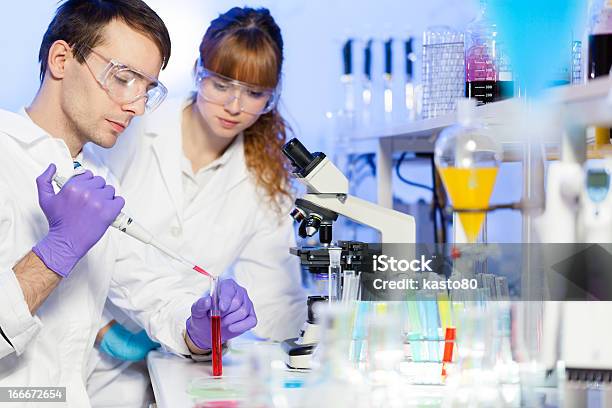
{"points": [[468, 158]]}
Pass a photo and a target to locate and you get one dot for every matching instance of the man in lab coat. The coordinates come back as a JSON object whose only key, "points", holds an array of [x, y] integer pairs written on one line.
{"points": [[99, 66]]}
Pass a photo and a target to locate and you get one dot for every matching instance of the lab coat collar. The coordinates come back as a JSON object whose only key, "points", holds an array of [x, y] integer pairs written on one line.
{"points": [[40, 145], [21, 127], [228, 176]]}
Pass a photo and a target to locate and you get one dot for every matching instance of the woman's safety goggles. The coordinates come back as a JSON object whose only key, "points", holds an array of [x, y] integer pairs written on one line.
{"points": [[126, 85], [221, 90]]}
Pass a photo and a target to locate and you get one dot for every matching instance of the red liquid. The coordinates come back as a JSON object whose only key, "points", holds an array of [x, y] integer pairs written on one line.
{"points": [[217, 360], [200, 270], [449, 340]]}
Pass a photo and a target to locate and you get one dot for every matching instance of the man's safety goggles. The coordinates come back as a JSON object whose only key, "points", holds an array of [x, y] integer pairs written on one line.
{"points": [[126, 85]]}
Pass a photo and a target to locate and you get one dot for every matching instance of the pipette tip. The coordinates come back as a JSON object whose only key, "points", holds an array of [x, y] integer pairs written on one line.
{"points": [[200, 270]]}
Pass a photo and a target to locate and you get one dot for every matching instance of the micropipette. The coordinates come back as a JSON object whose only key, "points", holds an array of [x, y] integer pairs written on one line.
{"points": [[215, 323], [125, 223]]}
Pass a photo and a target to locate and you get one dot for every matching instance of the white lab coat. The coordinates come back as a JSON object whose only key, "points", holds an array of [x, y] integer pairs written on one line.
{"points": [[52, 348], [229, 228]]}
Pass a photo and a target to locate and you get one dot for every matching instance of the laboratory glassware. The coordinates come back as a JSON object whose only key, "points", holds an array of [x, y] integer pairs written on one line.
{"points": [[410, 90], [600, 53], [473, 380], [215, 332], [576, 62], [385, 351], [388, 81], [487, 75], [443, 70], [332, 368], [468, 159]]}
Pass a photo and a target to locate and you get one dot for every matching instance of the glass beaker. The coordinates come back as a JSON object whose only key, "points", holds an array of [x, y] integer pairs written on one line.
{"points": [[385, 352], [334, 378], [473, 380], [488, 75]]}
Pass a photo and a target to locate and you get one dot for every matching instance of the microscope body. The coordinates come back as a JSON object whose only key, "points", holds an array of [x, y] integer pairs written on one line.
{"points": [[327, 189]]}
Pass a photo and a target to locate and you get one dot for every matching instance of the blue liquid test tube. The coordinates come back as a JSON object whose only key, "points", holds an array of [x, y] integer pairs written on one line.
{"points": [[415, 335], [429, 314], [359, 329]]}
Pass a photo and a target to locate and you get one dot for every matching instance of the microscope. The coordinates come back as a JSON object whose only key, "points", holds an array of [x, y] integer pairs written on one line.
{"points": [[327, 197]]}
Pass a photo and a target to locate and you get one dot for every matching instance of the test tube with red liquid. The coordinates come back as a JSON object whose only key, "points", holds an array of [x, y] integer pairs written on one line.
{"points": [[449, 341], [215, 322]]}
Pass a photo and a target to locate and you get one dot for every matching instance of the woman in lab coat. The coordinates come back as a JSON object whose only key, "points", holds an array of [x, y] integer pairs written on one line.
{"points": [[207, 176]]}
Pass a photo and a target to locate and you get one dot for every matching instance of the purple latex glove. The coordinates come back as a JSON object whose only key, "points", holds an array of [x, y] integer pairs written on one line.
{"points": [[78, 216], [237, 315]]}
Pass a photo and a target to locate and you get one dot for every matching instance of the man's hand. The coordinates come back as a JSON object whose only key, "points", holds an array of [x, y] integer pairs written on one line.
{"points": [[78, 216], [237, 316]]}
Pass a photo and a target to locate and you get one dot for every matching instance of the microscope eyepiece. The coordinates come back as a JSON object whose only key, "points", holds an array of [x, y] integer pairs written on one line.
{"points": [[301, 159], [298, 154]]}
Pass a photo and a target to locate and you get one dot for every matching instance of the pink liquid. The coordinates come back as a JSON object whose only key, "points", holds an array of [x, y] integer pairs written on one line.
{"points": [[479, 65], [217, 360], [200, 270]]}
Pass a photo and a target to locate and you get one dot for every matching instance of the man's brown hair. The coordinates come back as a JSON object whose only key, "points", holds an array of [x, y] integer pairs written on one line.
{"points": [[80, 23]]}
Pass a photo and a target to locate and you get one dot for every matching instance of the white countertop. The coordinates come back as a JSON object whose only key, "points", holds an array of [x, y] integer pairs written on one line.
{"points": [[171, 375]]}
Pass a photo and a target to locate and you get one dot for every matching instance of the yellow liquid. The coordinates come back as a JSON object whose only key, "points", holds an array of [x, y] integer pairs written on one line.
{"points": [[470, 188], [444, 310], [602, 136]]}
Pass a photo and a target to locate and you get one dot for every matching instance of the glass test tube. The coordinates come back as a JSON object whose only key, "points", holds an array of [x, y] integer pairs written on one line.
{"points": [[366, 92], [347, 77], [334, 274], [215, 322], [388, 81], [415, 335], [359, 332], [409, 89]]}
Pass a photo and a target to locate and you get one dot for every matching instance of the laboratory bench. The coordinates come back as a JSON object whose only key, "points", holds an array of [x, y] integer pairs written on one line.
{"points": [[172, 377], [173, 380]]}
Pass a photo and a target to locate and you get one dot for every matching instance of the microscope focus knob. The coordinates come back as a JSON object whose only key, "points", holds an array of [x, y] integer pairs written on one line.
{"points": [[297, 215]]}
